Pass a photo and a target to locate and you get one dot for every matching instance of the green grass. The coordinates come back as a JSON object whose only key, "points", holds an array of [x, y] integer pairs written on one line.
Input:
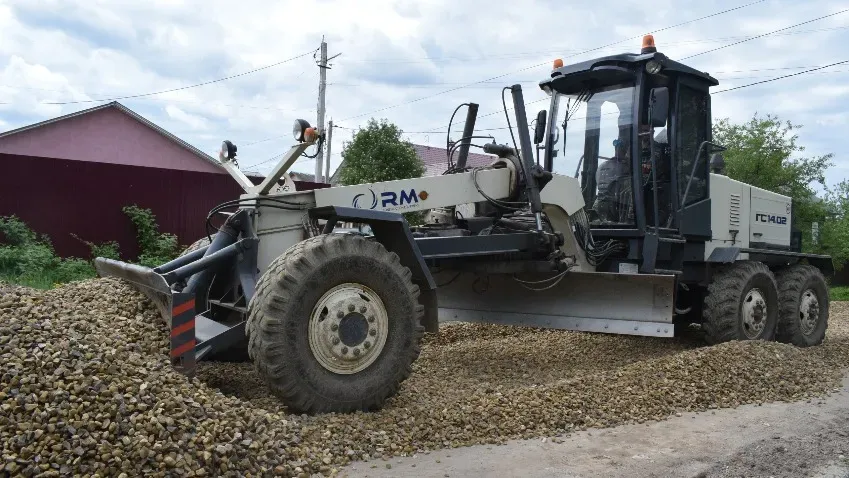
{"points": [[46, 280], [839, 293]]}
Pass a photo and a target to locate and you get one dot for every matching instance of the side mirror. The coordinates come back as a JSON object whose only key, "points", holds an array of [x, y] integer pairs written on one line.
{"points": [[717, 163], [539, 130], [658, 106]]}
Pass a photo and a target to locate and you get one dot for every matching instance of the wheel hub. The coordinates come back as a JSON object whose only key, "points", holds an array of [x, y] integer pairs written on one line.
{"points": [[809, 311], [353, 329], [348, 328], [754, 313]]}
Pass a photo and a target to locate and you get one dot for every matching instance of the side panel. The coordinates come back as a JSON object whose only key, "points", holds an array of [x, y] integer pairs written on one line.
{"points": [[729, 213], [770, 219], [280, 229]]}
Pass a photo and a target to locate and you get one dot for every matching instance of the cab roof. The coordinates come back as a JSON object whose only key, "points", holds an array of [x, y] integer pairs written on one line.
{"points": [[609, 70]]}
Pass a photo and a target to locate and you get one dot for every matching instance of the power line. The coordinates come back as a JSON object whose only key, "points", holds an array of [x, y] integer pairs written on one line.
{"points": [[736, 43], [780, 77], [712, 93], [523, 54], [182, 87], [765, 34], [170, 100], [540, 64], [535, 82]]}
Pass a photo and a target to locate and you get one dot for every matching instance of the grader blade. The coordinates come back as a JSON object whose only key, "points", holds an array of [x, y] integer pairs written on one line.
{"points": [[632, 304], [144, 279]]}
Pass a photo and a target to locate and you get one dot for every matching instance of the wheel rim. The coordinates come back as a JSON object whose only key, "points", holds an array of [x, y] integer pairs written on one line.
{"points": [[348, 328], [809, 311], [754, 313]]}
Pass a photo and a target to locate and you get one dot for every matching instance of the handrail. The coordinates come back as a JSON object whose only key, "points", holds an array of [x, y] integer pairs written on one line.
{"points": [[693, 171]]}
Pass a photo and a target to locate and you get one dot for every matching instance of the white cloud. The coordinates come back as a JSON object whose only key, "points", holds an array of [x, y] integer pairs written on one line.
{"points": [[192, 121]]}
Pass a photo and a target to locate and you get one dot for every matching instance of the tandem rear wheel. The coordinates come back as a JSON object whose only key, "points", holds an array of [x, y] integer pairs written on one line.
{"points": [[335, 325], [748, 301]]}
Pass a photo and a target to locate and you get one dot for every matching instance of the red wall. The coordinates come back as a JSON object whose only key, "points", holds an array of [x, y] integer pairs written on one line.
{"points": [[58, 197]]}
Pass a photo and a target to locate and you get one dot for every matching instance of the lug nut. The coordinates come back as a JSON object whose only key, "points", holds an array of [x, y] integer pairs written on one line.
{"points": [[335, 340], [372, 332], [344, 350], [351, 307], [340, 314], [334, 327], [371, 319], [356, 352], [367, 344], [362, 309]]}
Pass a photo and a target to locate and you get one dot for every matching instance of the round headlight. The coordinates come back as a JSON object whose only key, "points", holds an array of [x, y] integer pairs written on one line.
{"points": [[228, 151], [653, 67], [299, 128]]}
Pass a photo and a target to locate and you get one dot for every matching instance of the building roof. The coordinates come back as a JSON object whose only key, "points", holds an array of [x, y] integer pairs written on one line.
{"points": [[435, 160], [299, 176], [123, 109]]}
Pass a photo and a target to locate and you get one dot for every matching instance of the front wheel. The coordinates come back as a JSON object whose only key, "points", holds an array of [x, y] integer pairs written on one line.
{"points": [[741, 304], [335, 325]]}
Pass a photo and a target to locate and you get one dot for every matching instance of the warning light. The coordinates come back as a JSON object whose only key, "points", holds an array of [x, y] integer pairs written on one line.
{"points": [[558, 63], [310, 135], [648, 44]]}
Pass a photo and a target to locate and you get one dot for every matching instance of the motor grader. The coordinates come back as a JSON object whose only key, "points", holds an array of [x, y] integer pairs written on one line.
{"points": [[645, 237]]}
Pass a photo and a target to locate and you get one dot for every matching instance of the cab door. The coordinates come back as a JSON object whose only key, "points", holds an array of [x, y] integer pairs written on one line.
{"points": [[690, 153]]}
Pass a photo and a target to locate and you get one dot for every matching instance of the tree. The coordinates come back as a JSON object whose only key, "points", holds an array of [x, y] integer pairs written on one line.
{"points": [[834, 231], [764, 152], [377, 153]]}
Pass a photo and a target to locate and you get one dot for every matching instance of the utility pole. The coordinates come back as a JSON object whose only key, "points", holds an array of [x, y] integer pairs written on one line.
{"points": [[329, 142], [322, 87]]}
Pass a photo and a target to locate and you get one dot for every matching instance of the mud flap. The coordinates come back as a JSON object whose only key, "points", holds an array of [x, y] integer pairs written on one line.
{"points": [[632, 304]]}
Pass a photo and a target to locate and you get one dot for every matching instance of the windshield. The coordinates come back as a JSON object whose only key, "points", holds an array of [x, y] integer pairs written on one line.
{"points": [[590, 137]]}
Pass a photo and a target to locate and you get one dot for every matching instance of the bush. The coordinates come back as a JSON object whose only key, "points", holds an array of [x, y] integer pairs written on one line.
{"points": [[72, 269], [155, 248], [15, 232], [107, 250], [29, 260]]}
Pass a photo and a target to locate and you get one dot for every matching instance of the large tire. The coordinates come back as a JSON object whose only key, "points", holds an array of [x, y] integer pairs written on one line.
{"points": [[803, 313], [741, 304], [299, 333]]}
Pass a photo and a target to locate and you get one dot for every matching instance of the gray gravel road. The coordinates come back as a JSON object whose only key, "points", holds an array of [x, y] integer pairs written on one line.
{"points": [[779, 440]]}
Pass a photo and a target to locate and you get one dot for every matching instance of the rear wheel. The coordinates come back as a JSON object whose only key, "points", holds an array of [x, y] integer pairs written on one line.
{"points": [[741, 304], [335, 325], [803, 314]]}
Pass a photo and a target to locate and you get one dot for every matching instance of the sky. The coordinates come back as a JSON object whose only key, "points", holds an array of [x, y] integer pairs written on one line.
{"points": [[408, 61]]}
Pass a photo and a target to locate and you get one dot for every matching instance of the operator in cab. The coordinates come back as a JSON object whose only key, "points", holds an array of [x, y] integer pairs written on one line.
{"points": [[614, 203]]}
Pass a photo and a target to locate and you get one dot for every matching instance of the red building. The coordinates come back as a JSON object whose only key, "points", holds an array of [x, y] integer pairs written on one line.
{"points": [[75, 173]]}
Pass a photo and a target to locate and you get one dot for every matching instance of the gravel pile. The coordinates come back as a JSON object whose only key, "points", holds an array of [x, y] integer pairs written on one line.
{"points": [[86, 388]]}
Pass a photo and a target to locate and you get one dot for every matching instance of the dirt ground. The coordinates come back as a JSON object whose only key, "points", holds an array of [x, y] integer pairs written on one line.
{"points": [[781, 440], [804, 438]]}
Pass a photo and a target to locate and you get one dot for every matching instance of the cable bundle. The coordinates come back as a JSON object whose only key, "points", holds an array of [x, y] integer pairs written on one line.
{"points": [[596, 252]]}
